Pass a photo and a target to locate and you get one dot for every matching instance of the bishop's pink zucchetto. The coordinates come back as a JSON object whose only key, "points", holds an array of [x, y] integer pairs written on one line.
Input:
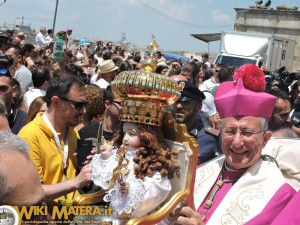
{"points": [[245, 96]]}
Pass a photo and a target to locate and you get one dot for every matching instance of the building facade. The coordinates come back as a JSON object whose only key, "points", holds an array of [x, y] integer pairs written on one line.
{"points": [[280, 22]]}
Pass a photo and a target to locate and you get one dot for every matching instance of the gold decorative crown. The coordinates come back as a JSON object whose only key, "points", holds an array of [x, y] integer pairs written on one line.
{"points": [[145, 94]]}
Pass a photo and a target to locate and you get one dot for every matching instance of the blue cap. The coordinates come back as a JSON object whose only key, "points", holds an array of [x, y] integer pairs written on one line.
{"points": [[84, 42], [10, 30], [5, 61]]}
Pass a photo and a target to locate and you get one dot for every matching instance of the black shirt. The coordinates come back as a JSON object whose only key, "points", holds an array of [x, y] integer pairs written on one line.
{"points": [[16, 120]]}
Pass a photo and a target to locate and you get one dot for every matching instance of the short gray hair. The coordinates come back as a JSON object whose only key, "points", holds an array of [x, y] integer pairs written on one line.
{"points": [[264, 126], [10, 142]]}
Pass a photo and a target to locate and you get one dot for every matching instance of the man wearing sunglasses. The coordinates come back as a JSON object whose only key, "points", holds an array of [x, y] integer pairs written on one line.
{"points": [[21, 73], [53, 139]]}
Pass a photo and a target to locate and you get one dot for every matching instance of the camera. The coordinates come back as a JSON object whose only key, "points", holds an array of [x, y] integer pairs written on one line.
{"points": [[282, 76], [295, 119]]}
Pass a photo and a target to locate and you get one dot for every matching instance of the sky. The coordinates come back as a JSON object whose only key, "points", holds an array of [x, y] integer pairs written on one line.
{"points": [[171, 21]]}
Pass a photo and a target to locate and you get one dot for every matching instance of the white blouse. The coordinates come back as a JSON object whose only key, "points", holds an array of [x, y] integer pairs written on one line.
{"points": [[143, 195]]}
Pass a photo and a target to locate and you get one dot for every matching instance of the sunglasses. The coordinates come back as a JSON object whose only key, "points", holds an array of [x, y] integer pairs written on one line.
{"points": [[119, 103], [77, 105]]}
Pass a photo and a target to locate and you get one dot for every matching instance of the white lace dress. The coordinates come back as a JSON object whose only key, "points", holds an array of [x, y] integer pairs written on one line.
{"points": [[143, 196]]}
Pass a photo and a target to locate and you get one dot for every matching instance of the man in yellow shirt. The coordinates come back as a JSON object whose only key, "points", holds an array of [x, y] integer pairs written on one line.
{"points": [[53, 140]]}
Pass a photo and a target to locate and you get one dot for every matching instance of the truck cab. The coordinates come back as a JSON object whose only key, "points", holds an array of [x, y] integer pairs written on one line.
{"points": [[239, 48], [238, 61]]}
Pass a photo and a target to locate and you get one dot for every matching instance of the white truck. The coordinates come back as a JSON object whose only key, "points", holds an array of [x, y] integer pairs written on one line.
{"points": [[269, 51]]}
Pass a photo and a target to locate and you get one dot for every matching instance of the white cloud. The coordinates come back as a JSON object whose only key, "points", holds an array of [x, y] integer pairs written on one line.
{"points": [[219, 16]]}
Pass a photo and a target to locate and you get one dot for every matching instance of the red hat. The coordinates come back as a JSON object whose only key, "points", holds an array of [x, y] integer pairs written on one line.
{"points": [[245, 97], [69, 30]]}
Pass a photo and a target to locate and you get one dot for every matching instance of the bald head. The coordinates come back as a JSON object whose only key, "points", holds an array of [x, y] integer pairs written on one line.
{"points": [[178, 78]]}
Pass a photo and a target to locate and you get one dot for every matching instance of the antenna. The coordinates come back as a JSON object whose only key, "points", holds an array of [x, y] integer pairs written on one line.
{"points": [[22, 18], [3, 2], [26, 18]]}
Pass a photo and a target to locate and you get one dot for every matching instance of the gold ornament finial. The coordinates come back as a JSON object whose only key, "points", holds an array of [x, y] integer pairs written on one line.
{"points": [[149, 63], [153, 46]]}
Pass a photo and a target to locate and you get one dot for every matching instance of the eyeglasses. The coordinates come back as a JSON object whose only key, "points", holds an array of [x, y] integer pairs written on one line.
{"points": [[77, 105], [246, 134], [117, 102]]}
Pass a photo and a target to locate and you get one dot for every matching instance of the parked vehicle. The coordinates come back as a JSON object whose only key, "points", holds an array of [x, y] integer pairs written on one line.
{"points": [[272, 52]]}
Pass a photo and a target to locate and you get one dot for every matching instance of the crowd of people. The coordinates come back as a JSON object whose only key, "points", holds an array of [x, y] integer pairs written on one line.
{"points": [[248, 170]]}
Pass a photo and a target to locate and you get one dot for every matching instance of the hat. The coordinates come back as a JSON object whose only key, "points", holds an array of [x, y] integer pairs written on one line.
{"points": [[21, 34], [191, 92], [5, 61], [10, 30], [164, 64], [107, 66], [84, 42], [144, 96], [245, 97], [69, 30]]}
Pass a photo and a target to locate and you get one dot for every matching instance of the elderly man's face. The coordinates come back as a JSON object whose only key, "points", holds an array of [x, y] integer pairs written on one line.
{"points": [[243, 140], [43, 31]]}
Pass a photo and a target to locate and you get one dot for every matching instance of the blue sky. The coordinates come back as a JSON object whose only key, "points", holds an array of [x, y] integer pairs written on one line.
{"points": [[107, 19]]}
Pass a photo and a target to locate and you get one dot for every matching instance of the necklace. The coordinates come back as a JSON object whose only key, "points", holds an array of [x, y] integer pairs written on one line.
{"points": [[211, 197]]}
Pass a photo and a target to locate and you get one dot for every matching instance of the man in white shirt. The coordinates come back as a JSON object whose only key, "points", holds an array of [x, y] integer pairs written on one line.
{"points": [[107, 73], [40, 79], [40, 38], [98, 55]]}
